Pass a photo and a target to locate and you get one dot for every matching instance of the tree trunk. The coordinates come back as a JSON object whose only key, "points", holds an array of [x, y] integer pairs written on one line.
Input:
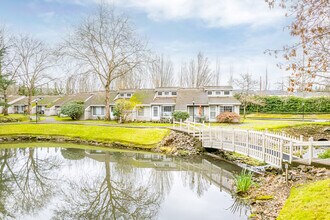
{"points": [[5, 107], [107, 103], [29, 102]]}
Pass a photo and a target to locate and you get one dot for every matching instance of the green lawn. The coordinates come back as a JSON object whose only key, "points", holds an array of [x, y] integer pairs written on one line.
{"points": [[255, 124], [145, 137], [311, 201]]}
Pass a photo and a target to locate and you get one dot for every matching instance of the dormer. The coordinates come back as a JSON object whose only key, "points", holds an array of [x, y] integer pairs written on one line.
{"points": [[216, 91], [125, 94], [166, 92]]}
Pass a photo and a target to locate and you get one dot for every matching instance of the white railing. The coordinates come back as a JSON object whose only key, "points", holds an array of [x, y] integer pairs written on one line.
{"points": [[270, 147]]}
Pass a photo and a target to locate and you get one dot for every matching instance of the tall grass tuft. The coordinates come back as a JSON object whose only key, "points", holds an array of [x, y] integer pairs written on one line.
{"points": [[243, 181], [325, 154]]}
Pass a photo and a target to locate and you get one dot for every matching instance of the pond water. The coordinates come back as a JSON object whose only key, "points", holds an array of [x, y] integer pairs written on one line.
{"points": [[55, 181]]}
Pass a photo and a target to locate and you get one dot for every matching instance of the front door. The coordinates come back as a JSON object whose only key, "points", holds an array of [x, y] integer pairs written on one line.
{"points": [[155, 113]]}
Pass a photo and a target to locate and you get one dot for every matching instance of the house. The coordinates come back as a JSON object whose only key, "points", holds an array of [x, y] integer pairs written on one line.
{"points": [[12, 99], [55, 107], [159, 104], [44, 102], [18, 104]]}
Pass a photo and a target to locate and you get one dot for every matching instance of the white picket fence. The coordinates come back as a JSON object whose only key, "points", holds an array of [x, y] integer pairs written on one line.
{"points": [[274, 148]]}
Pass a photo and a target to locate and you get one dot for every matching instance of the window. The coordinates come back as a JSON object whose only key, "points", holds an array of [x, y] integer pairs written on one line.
{"points": [[209, 92], [218, 93], [167, 110], [141, 112], [122, 95], [227, 92], [167, 93], [159, 93], [173, 93], [155, 111], [213, 111], [98, 110], [129, 94], [228, 108]]}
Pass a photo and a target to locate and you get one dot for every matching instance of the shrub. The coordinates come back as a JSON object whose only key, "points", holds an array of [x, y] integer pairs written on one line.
{"points": [[123, 109], [178, 115], [325, 154], [73, 109], [228, 117], [243, 181]]}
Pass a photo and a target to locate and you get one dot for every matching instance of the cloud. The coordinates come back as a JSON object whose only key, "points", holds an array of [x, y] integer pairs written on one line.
{"points": [[214, 13]]}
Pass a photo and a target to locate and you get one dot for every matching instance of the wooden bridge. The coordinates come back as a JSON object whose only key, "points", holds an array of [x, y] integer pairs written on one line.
{"points": [[273, 148]]}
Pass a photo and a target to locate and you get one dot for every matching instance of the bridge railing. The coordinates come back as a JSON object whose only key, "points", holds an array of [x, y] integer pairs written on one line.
{"points": [[271, 147]]}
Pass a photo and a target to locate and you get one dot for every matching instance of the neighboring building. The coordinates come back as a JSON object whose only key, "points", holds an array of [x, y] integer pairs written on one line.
{"points": [[18, 104], [55, 107], [154, 104]]}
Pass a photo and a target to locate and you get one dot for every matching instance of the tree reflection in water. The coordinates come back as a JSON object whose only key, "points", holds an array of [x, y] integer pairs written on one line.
{"points": [[110, 196], [27, 182]]}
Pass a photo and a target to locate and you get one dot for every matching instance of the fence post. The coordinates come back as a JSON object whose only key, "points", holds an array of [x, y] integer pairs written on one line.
{"points": [[233, 139], [263, 147], [301, 148], [188, 126], [173, 123], [310, 145], [181, 124], [247, 142], [281, 149], [291, 152]]}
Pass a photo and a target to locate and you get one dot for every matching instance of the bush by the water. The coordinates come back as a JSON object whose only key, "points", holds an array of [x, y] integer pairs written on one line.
{"points": [[228, 117], [290, 104], [178, 115], [325, 154], [243, 181], [73, 109]]}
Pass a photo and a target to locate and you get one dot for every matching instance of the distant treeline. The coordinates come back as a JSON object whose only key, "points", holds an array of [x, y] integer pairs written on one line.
{"points": [[291, 104]]}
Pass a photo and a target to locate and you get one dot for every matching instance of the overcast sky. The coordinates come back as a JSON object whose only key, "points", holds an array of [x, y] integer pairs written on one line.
{"points": [[236, 31]]}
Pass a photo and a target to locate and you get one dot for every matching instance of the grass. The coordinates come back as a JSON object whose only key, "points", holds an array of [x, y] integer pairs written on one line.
{"points": [[325, 154], [255, 124], [146, 137], [136, 124], [243, 181], [311, 201]]}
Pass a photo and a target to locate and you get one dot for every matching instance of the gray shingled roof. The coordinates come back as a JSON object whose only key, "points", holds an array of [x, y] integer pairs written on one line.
{"points": [[80, 97], [187, 96], [12, 98], [47, 100], [164, 100], [98, 98], [223, 100], [144, 96], [218, 88]]}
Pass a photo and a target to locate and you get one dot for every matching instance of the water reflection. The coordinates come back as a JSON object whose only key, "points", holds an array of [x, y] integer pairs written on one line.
{"points": [[71, 183]]}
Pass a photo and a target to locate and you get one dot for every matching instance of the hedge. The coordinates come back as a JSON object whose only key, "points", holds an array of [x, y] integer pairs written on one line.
{"points": [[291, 104]]}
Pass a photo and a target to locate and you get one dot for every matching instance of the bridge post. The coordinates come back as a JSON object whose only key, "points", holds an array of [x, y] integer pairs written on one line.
{"points": [[281, 150], [233, 139], [263, 147], [221, 138], [247, 142], [310, 148], [181, 124], [301, 148], [210, 133], [291, 152]]}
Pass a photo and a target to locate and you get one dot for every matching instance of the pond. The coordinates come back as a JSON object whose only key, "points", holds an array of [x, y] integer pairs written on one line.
{"points": [[60, 181]]}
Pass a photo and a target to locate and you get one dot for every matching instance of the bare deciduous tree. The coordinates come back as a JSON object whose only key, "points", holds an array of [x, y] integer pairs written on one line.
{"points": [[105, 44], [161, 72], [196, 73], [246, 84], [310, 55], [33, 59], [7, 70]]}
